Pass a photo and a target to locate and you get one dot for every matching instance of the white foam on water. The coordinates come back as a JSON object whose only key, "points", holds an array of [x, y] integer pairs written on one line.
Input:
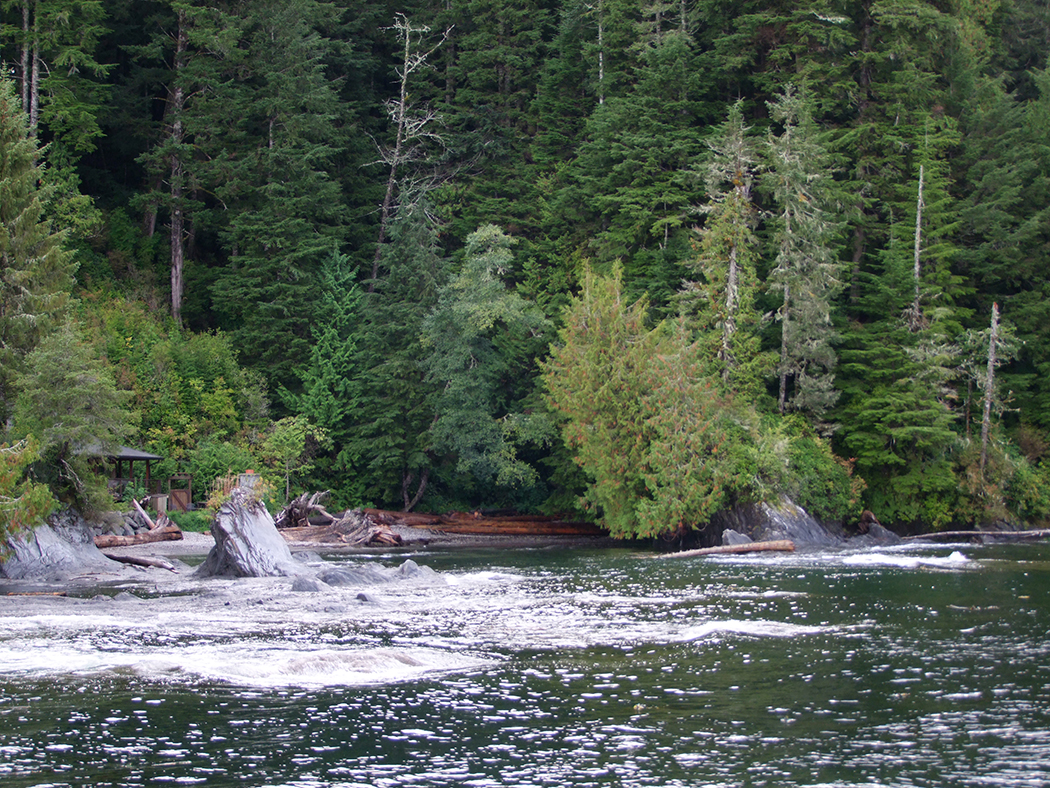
{"points": [[264, 664], [764, 629], [956, 560]]}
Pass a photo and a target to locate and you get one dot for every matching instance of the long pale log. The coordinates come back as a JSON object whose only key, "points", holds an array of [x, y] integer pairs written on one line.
{"points": [[142, 513], [993, 536], [168, 533], [777, 546], [135, 560]]}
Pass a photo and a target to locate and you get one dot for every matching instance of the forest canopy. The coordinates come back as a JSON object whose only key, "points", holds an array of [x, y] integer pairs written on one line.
{"points": [[633, 260]]}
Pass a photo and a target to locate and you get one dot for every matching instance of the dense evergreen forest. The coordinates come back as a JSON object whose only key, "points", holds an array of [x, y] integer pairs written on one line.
{"points": [[637, 259]]}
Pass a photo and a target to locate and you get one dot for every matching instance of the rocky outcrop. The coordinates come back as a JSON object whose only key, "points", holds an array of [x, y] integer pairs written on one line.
{"points": [[62, 547], [769, 521], [247, 543]]}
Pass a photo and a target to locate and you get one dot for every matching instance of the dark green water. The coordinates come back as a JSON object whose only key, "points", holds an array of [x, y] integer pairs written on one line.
{"points": [[547, 668]]}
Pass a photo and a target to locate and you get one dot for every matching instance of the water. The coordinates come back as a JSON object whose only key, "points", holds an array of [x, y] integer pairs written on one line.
{"points": [[549, 668]]}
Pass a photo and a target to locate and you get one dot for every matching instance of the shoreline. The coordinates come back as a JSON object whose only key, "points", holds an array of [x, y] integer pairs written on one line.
{"points": [[194, 543]]}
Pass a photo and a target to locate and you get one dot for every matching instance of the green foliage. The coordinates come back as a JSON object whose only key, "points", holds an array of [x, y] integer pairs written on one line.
{"points": [[212, 459], [23, 502], [187, 386], [788, 457], [194, 522], [70, 400], [290, 447], [36, 273], [644, 422], [467, 337]]}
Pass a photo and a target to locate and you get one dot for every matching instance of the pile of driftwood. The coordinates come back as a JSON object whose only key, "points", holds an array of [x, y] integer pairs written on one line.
{"points": [[480, 523], [163, 530], [307, 520]]}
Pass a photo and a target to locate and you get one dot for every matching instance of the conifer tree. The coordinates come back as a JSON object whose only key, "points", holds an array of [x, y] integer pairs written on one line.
{"points": [[271, 148], [36, 273], [471, 336], [332, 388], [722, 297], [70, 401], [640, 415], [388, 445], [806, 269]]}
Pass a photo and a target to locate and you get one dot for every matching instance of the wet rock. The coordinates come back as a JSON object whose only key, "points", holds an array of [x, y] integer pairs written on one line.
{"points": [[731, 537], [877, 536], [768, 521], [370, 599], [410, 569], [53, 551], [355, 576], [247, 543], [306, 585]]}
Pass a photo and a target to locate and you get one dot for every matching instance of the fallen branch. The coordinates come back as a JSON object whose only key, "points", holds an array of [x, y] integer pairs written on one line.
{"points": [[778, 546], [135, 560], [36, 593]]}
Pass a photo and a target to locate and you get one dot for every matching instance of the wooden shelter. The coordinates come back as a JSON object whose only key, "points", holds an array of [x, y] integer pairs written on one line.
{"points": [[130, 456]]}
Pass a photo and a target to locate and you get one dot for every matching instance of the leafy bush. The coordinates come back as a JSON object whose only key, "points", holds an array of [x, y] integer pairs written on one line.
{"points": [[194, 522]]}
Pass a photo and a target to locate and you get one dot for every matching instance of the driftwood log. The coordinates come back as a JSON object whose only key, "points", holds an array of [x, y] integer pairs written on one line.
{"points": [[981, 536], [353, 528], [297, 514], [777, 546], [135, 560], [164, 531]]}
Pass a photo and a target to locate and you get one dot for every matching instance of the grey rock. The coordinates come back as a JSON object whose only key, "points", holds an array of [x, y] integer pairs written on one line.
{"points": [[63, 546], [877, 536], [306, 585], [370, 599], [355, 576], [772, 520], [731, 537], [247, 543]]}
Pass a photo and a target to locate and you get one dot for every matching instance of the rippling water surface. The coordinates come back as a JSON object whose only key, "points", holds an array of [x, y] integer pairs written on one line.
{"points": [[549, 668]]}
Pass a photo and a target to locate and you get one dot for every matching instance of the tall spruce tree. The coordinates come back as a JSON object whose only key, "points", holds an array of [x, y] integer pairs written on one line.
{"points": [[806, 269], [471, 336], [270, 152], [388, 445], [722, 297], [36, 272]]}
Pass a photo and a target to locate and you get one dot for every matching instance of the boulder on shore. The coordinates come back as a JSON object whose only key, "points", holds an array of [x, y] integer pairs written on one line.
{"points": [[247, 543], [53, 551]]}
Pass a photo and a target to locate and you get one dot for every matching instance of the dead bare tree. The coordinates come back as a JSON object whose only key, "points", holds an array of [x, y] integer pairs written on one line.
{"points": [[415, 132]]}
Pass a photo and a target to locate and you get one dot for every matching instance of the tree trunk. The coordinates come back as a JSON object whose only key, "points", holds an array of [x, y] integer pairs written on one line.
{"points": [[916, 314], [34, 87], [785, 319], [778, 546], [989, 386], [178, 103], [407, 482], [25, 57]]}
